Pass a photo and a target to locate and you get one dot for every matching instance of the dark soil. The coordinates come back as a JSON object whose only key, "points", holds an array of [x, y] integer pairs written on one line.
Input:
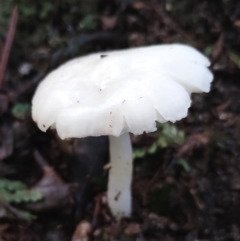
{"points": [[197, 199]]}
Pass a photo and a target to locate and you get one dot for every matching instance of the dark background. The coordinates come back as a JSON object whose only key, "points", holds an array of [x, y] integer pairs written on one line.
{"points": [[186, 182]]}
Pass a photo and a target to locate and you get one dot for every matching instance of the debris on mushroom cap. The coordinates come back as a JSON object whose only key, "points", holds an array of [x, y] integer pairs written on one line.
{"points": [[126, 91]]}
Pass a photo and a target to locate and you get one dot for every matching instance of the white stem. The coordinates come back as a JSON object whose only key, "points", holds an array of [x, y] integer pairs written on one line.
{"points": [[120, 176]]}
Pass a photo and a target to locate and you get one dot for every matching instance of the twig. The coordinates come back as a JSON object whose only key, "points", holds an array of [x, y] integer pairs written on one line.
{"points": [[161, 170], [172, 24], [39, 159], [150, 184], [8, 43], [97, 209]]}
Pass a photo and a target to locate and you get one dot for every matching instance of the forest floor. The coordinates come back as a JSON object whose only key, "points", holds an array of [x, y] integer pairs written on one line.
{"points": [[186, 183]]}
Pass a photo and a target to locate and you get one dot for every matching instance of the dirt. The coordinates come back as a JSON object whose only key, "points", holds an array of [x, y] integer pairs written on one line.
{"points": [[187, 191]]}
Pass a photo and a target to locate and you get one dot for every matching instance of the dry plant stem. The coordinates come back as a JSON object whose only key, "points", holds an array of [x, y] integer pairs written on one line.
{"points": [[120, 176], [8, 43], [150, 184], [97, 209], [172, 24]]}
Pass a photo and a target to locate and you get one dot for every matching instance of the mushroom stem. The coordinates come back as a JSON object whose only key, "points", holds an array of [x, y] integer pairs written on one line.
{"points": [[120, 176]]}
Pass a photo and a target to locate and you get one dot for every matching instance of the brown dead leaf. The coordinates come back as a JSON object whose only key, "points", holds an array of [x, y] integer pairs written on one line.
{"points": [[160, 221], [57, 234], [136, 39], [6, 143], [4, 236], [3, 103], [18, 233], [235, 183], [97, 232], [224, 114], [230, 119], [56, 193], [218, 48], [113, 230], [98, 208], [237, 23], [197, 199], [139, 5], [224, 106], [132, 228], [131, 20], [108, 22], [193, 142], [82, 231], [3, 227]]}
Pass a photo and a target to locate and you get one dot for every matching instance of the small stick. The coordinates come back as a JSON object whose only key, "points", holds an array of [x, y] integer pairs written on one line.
{"points": [[172, 24], [39, 159], [8, 43], [150, 184], [97, 209]]}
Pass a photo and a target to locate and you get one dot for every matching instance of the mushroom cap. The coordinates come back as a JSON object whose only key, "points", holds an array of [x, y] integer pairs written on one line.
{"points": [[121, 91]]}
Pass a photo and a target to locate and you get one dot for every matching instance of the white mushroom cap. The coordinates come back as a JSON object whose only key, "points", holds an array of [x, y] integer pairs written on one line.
{"points": [[121, 91]]}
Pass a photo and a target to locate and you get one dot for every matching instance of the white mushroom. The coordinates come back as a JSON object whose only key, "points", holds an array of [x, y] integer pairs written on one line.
{"points": [[118, 92]]}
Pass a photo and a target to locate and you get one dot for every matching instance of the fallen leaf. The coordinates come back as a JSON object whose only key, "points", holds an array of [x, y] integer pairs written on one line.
{"points": [[56, 193], [160, 221], [6, 143], [193, 142], [3, 227], [138, 5], [4, 101], [218, 48], [82, 231], [136, 39], [108, 22], [235, 183], [237, 23], [132, 228], [234, 57]]}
